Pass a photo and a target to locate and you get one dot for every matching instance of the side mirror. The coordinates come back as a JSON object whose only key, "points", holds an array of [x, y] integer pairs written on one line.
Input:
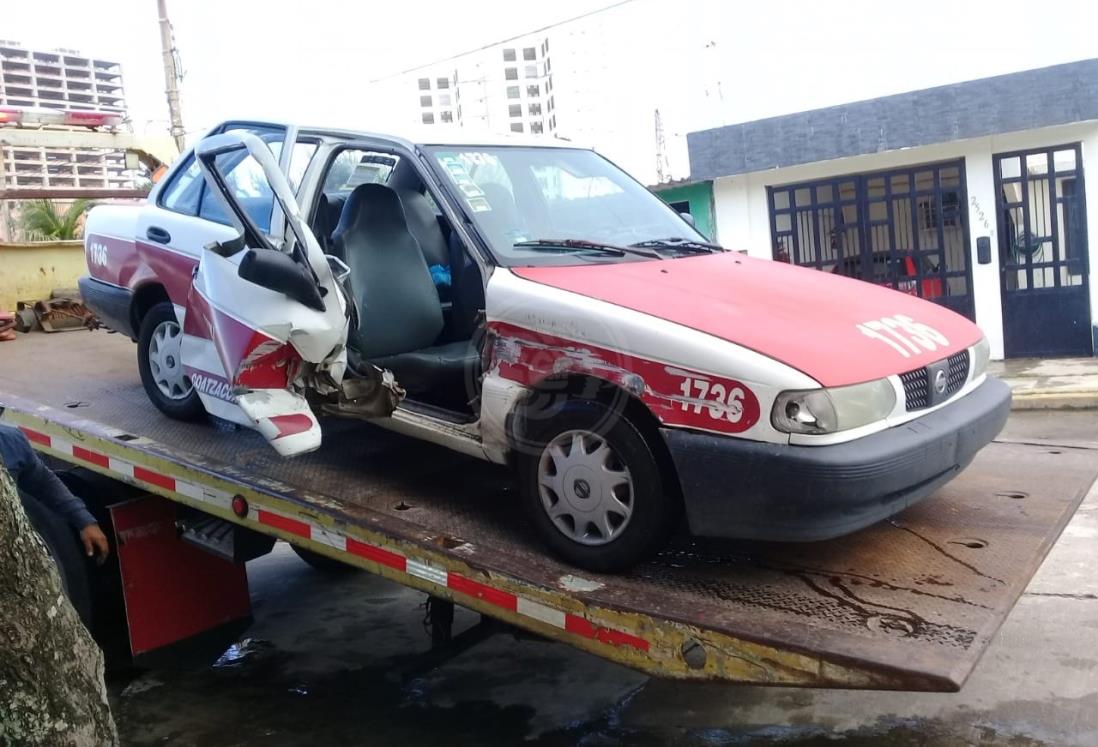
{"points": [[687, 217], [279, 272]]}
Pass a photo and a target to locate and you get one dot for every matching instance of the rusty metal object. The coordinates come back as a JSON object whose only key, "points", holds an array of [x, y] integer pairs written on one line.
{"points": [[25, 320], [62, 314], [909, 604]]}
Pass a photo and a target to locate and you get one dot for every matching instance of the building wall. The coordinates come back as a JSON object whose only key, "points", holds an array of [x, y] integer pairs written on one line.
{"points": [[742, 215], [32, 271], [700, 199]]}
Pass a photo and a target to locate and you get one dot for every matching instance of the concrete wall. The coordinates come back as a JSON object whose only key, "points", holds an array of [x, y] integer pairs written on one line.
{"points": [[28, 272], [700, 199], [743, 218]]}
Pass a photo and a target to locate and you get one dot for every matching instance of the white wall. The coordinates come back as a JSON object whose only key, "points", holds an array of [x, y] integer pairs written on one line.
{"points": [[742, 215]]}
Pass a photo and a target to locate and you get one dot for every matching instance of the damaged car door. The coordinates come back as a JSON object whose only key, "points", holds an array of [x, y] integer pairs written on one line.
{"points": [[267, 322]]}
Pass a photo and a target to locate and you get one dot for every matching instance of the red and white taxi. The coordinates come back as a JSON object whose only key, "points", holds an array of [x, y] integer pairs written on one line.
{"points": [[528, 303]]}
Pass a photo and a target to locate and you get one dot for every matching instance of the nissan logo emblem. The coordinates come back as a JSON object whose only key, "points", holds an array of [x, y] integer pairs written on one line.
{"points": [[940, 381]]}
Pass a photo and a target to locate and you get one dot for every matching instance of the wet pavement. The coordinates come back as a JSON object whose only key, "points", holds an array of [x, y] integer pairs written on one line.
{"points": [[345, 659], [1050, 383]]}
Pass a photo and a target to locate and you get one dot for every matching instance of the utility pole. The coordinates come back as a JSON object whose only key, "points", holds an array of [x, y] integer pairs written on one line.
{"points": [[171, 74], [663, 170]]}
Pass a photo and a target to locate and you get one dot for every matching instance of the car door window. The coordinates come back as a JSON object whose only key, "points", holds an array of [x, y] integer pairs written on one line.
{"points": [[182, 195], [355, 166], [245, 179], [187, 193], [300, 158]]}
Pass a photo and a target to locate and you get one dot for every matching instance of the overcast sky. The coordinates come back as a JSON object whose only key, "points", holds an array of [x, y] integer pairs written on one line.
{"points": [[704, 62]]}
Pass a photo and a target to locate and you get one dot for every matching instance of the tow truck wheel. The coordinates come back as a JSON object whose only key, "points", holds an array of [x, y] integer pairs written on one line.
{"points": [[594, 489], [158, 360]]}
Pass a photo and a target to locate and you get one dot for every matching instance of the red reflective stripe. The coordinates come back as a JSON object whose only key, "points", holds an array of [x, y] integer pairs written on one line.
{"points": [[290, 425], [91, 457], [293, 526], [476, 589], [376, 554], [580, 626], [38, 438], [154, 478]]}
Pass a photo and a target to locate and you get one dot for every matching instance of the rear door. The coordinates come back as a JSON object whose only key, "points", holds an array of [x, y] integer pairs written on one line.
{"points": [[265, 319], [184, 215]]}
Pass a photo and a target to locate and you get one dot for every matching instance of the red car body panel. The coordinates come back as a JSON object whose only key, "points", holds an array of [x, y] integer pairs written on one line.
{"points": [[804, 318]]}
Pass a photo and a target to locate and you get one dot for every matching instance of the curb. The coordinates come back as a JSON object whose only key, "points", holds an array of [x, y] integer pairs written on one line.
{"points": [[1052, 399]]}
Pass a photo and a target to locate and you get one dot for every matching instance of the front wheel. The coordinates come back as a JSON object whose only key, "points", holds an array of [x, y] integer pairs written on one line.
{"points": [[161, 366], [594, 489]]}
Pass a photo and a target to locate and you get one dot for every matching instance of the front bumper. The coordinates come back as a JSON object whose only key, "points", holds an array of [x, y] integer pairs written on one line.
{"points": [[753, 490]]}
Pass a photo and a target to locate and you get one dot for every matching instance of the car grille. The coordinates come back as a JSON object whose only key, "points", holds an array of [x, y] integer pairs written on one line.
{"points": [[917, 383]]}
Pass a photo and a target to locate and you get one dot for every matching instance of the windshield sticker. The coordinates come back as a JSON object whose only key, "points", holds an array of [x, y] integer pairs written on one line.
{"points": [[479, 204], [471, 189], [477, 159]]}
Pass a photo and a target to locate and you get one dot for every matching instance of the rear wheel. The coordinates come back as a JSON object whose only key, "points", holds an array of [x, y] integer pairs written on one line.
{"points": [[594, 489], [161, 366]]}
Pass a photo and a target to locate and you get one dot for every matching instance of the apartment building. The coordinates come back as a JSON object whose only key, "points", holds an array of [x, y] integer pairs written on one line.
{"points": [[61, 79], [506, 87]]}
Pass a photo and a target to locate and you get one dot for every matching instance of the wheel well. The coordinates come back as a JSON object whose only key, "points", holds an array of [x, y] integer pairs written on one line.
{"points": [[145, 298], [554, 391]]}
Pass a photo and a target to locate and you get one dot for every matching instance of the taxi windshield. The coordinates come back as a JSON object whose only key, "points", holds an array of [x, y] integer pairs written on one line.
{"points": [[538, 206]]}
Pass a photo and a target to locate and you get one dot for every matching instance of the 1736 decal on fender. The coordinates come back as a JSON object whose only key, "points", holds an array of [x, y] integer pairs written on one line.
{"points": [[675, 395]]}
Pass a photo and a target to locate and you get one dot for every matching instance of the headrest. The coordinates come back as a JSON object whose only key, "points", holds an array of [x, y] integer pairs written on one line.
{"points": [[371, 207]]}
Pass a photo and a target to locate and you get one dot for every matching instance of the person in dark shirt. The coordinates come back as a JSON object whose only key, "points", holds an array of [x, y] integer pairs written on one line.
{"points": [[37, 481]]}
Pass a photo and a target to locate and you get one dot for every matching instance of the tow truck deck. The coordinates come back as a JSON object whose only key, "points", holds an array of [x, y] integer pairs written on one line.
{"points": [[909, 604]]}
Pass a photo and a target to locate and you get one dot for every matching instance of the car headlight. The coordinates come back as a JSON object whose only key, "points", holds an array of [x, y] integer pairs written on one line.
{"points": [[981, 354], [837, 409]]}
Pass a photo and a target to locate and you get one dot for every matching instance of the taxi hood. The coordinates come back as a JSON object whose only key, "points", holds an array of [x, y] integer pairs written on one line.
{"points": [[832, 328]]}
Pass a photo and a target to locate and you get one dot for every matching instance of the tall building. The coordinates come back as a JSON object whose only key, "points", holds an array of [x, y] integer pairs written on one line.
{"points": [[506, 87], [61, 79]]}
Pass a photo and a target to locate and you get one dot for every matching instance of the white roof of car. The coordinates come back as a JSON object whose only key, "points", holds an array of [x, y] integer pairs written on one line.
{"points": [[459, 136], [437, 135]]}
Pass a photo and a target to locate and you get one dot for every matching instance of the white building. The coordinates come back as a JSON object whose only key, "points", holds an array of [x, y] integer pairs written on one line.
{"points": [[61, 79], [971, 195], [506, 87]]}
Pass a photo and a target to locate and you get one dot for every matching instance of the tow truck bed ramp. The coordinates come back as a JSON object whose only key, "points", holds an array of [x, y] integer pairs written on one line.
{"points": [[909, 604]]}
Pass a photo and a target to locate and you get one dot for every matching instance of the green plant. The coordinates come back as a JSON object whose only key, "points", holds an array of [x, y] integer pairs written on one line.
{"points": [[42, 220]]}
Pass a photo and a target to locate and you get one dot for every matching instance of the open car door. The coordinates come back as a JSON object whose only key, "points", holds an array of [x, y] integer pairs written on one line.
{"points": [[272, 319]]}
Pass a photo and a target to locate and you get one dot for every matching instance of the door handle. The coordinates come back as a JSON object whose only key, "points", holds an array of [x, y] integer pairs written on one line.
{"points": [[159, 235]]}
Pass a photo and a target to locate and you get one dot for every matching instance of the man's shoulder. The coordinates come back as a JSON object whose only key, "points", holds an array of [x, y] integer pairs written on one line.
{"points": [[14, 446]]}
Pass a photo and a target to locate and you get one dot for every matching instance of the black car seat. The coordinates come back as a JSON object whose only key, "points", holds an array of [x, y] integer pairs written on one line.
{"points": [[400, 317], [423, 223]]}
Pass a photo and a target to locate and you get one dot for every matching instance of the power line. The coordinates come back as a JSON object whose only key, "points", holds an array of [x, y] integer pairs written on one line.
{"points": [[481, 48]]}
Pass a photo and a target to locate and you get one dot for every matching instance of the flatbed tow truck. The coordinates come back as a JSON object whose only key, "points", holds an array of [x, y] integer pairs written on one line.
{"points": [[909, 604]]}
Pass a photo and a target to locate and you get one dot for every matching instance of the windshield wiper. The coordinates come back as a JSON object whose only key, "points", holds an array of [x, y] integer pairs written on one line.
{"points": [[687, 245], [583, 245]]}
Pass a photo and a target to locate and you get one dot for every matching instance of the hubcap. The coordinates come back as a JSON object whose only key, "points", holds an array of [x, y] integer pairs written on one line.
{"points": [[164, 362], [585, 488]]}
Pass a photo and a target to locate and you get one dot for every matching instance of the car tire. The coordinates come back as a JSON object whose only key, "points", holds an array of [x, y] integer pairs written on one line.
{"points": [[323, 563], [66, 552], [161, 369], [593, 487]]}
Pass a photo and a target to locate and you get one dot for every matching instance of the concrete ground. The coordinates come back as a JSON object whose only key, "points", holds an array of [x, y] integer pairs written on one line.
{"points": [[341, 660], [1050, 383]]}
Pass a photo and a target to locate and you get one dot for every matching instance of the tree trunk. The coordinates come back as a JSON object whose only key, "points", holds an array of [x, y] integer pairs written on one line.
{"points": [[51, 672]]}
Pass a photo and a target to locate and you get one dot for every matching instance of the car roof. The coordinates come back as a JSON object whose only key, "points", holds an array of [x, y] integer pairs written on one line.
{"points": [[427, 136]]}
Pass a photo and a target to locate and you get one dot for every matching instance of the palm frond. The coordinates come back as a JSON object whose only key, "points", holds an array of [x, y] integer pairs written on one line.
{"points": [[42, 220]]}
